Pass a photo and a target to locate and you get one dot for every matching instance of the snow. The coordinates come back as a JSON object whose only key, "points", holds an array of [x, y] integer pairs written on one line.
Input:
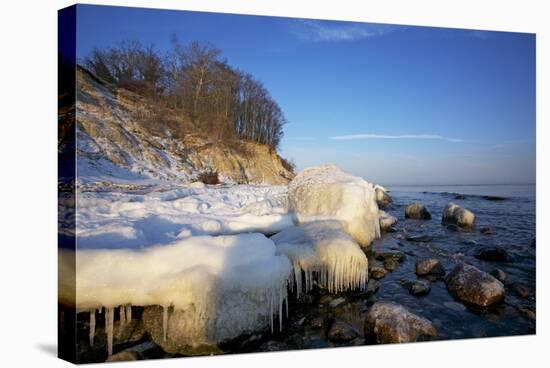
{"points": [[216, 280], [128, 220], [328, 193], [324, 252]]}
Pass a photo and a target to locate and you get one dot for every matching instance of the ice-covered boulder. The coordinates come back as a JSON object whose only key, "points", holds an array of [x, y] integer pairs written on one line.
{"points": [[386, 221], [383, 199], [455, 215], [328, 193], [208, 288], [323, 251]]}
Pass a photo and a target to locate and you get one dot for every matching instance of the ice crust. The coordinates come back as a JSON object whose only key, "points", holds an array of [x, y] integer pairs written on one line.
{"points": [[328, 193], [227, 285]]}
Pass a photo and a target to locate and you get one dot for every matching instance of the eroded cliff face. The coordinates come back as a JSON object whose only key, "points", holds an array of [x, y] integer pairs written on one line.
{"points": [[119, 141]]}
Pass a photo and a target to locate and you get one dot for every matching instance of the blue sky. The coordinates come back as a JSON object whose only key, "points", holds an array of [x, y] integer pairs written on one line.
{"points": [[394, 104]]}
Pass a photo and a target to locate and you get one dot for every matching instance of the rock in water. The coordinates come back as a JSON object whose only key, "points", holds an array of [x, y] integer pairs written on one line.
{"points": [[382, 198], [492, 253], [386, 221], [473, 286], [417, 211], [453, 214], [430, 266], [391, 323], [329, 193], [417, 287], [341, 332], [419, 238], [378, 272]]}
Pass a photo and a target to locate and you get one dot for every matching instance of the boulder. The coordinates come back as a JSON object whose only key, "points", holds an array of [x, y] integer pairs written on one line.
{"points": [[493, 253], [386, 221], [473, 286], [453, 214], [486, 231], [431, 266], [417, 287], [341, 332], [382, 197], [417, 211], [377, 272], [328, 193], [392, 323]]}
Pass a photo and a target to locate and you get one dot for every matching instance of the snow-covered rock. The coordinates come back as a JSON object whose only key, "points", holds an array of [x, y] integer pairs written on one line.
{"points": [[225, 285], [324, 252], [383, 199], [456, 215], [328, 193], [386, 220]]}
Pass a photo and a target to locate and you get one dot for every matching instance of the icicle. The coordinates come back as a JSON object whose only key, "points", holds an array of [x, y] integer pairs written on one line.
{"points": [[129, 313], [109, 321], [92, 327], [280, 308], [122, 314], [164, 322], [271, 309]]}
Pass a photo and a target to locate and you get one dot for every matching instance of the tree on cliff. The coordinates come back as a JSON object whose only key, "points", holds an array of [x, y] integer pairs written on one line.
{"points": [[194, 81]]}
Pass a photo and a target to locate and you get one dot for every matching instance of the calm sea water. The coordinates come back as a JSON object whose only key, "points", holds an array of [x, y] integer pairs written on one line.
{"points": [[513, 221]]}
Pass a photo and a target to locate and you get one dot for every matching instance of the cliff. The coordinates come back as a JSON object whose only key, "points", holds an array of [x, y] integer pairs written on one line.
{"points": [[121, 139]]}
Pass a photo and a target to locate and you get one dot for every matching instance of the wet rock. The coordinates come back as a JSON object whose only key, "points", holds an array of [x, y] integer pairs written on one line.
{"points": [[486, 231], [274, 346], [336, 302], [456, 215], [377, 273], [392, 323], [460, 196], [493, 198], [419, 238], [386, 221], [473, 286], [390, 264], [521, 290], [468, 242], [528, 313], [383, 199], [417, 287], [372, 287], [417, 211], [493, 253], [123, 356], [341, 332], [431, 266], [177, 337], [317, 322], [499, 275], [394, 255]]}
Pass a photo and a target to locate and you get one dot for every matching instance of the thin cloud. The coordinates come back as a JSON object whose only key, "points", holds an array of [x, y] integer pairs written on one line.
{"points": [[301, 138], [403, 136], [324, 31]]}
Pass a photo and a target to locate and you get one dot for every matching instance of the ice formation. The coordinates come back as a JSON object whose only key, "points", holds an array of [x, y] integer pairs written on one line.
{"points": [[225, 285], [324, 252], [328, 193]]}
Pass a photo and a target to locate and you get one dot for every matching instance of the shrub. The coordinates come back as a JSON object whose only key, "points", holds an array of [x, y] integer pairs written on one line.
{"points": [[288, 164], [209, 177]]}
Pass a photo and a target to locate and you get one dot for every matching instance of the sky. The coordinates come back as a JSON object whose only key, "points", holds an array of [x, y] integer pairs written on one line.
{"points": [[393, 104]]}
